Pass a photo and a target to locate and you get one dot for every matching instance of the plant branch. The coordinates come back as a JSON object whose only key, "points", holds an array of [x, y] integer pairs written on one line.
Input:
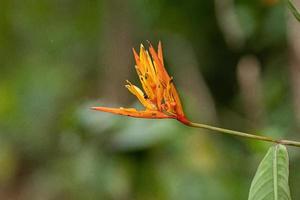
{"points": [[242, 134]]}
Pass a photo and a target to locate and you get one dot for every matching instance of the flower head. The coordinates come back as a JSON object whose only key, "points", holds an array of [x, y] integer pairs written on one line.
{"points": [[159, 95]]}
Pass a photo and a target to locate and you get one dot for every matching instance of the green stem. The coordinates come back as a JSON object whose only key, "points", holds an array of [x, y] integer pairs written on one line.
{"points": [[242, 134]]}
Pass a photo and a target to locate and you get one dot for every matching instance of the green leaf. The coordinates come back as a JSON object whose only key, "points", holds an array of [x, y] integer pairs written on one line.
{"points": [[271, 179], [294, 10]]}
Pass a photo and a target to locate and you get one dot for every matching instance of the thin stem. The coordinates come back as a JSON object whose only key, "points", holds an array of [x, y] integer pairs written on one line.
{"points": [[242, 134]]}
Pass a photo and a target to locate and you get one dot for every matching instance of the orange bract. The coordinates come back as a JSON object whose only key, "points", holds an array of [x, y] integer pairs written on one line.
{"points": [[159, 97]]}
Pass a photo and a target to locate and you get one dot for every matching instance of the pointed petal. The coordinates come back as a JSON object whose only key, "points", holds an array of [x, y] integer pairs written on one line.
{"points": [[160, 53], [136, 57], [162, 73], [179, 109], [131, 112], [151, 67], [142, 57], [146, 71], [168, 99], [140, 95], [166, 80], [146, 84]]}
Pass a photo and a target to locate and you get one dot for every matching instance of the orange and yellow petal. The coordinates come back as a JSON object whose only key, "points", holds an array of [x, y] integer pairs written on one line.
{"points": [[140, 95], [151, 68], [161, 71], [136, 57], [146, 64], [160, 53], [146, 84], [143, 60], [179, 109], [131, 112]]}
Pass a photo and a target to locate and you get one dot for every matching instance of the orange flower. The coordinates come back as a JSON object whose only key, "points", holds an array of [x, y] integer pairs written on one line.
{"points": [[160, 97]]}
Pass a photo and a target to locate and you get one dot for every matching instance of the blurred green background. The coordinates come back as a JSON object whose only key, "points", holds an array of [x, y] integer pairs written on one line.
{"points": [[235, 63]]}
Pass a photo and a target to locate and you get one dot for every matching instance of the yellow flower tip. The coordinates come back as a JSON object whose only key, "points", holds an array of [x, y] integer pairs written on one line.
{"points": [[142, 49], [99, 108], [93, 108]]}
